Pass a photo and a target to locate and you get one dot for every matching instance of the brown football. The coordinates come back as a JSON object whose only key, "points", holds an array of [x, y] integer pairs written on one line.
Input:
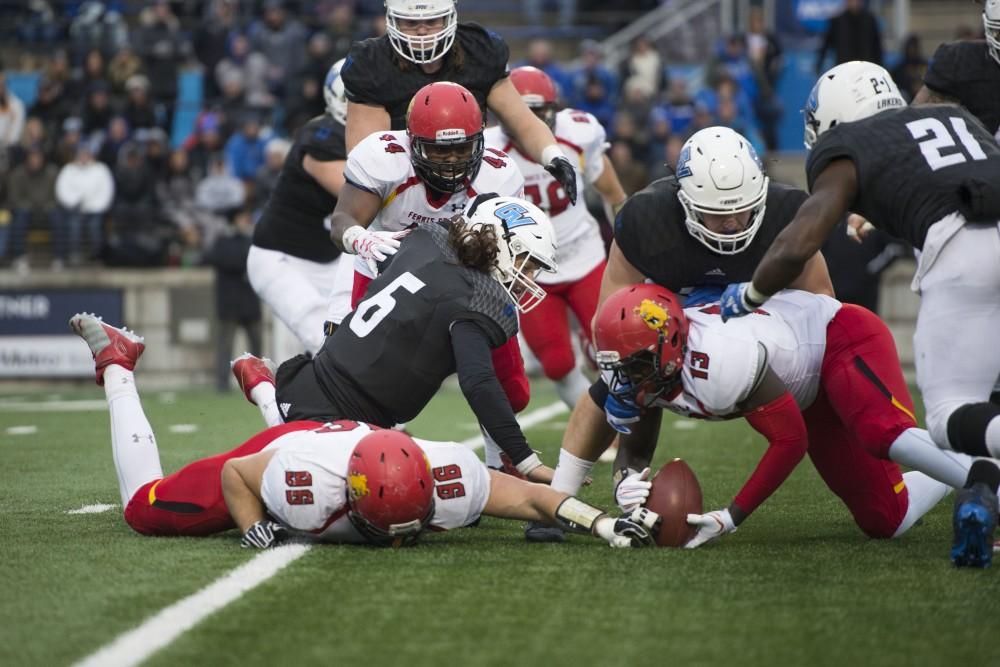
{"points": [[674, 495]]}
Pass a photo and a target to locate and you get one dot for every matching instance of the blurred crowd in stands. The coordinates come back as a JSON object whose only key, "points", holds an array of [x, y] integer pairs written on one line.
{"points": [[95, 171]]}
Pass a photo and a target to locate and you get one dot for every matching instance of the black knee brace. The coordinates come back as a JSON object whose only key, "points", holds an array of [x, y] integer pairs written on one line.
{"points": [[967, 427], [599, 392]]}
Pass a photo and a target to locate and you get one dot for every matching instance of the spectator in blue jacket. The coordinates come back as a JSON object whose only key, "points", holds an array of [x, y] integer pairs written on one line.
{"points": [[245, 149]]}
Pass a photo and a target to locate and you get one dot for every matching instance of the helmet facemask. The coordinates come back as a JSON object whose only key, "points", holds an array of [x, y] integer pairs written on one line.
{"points": [[422, 49], [432, 165], [397, 535], [519, 280], [718, 242], [991, 26], [639, 377]]}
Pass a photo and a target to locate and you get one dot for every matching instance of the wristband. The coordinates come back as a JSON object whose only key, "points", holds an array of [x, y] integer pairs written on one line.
{"points": [[753, 297], [351, 234], [551, 152], [529, 464]]}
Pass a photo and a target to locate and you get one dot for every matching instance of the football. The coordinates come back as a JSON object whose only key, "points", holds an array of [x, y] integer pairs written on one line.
{"points": [[675, 494]]}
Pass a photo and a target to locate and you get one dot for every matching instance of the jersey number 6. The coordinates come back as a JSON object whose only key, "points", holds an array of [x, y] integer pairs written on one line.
{"points": [[377, 307]]}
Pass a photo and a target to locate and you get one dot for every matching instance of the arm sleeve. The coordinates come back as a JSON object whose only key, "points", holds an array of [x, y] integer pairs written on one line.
{"points": [[781, 422], [471, 347]]}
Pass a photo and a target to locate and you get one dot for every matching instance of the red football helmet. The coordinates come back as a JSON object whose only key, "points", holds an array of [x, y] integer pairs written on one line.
{"points": [[390, 492], [537, 90], [445, 125], [641, 334]]}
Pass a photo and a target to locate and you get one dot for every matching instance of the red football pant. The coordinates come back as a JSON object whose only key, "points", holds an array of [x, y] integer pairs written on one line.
{"points": [[546, 328], [507, 360], [862, 407], [189, 501]]}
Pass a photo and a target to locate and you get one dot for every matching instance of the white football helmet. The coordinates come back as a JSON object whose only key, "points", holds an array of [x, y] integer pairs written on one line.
{"points": [[991, 25], [421, 49], [720, 174], [333, 93], [525, 234], [848, 92]]}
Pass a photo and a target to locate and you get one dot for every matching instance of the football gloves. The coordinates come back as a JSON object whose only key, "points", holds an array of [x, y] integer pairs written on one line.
{"points": [[563, 171], [373, 247], [632, 491], [711, 526], [264, 535], [635, 530], [620, 412], [734, 301]]}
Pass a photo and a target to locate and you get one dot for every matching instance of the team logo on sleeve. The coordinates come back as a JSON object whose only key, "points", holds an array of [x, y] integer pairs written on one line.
{"points": [[357, 484], [653, 314], [514, 215]]}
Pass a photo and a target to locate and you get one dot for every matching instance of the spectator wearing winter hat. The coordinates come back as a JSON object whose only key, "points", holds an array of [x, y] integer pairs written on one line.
{"points": [[245, 149], [69, 140], [267, 175], [97, 111], [51, 106], [205, 143], [118, 134], [85, 189], [139, 109]]}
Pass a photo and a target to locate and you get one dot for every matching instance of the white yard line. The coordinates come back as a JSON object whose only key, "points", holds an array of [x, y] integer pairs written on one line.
{"points": [[136, 645], [92, 509], [54, 406]]}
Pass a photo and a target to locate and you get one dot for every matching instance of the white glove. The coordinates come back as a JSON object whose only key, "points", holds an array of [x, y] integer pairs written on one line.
{"points": [[633, 490], [710, 526], [373, 247], [633, 530]]}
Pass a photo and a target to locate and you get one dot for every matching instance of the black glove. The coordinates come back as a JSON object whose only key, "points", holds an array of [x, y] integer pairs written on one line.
{"points": [[264, 535], [563, 171], [638, 526]]}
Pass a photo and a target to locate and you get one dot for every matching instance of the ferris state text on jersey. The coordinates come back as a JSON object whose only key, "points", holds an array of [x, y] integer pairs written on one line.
{"points": [[373, 73], [915, 166], [407, 317], [293, 218], [966, 72], [651, 233], [578, 237]]}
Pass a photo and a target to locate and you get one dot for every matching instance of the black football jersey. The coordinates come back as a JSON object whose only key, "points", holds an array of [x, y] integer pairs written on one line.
{"points": [[372, 73], [966, 72], [292, 220], [395, 348], [915, 166], [651, 233]]}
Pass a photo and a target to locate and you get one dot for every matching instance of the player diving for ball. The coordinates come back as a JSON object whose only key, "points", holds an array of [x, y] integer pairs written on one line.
{"points": [[808, 373], [448, 297], [930, 175], [340, 481]]}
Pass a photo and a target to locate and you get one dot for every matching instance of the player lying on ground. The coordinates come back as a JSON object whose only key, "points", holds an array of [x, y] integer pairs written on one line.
{"points": [[809, 374], [581, 249], [930, 175], [443, 302], [335, 482]]}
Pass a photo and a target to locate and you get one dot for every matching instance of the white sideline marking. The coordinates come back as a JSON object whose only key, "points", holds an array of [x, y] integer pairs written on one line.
{"points": [[54, 406], [527, 420], [136, 645], [29, 429], [183, 428], [92, 509], [685, 424]]}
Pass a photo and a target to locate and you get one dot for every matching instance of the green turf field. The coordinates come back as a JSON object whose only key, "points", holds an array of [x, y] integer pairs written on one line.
{"points": [[797, 585]]}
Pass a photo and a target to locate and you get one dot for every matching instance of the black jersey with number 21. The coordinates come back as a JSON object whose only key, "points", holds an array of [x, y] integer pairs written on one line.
{"points": [[915, 166], [395, 348]]}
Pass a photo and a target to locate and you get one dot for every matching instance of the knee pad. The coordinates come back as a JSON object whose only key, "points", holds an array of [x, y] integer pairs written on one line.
{"points": [[966, 427]]}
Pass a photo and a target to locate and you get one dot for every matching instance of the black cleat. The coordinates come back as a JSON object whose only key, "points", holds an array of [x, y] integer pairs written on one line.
{"points": [[974, 521]]}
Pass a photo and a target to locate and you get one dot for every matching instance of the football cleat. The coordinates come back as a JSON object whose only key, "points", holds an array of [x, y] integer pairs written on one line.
{"points": [[974, 521], [108, 345], [250, 371], [541, 532]]}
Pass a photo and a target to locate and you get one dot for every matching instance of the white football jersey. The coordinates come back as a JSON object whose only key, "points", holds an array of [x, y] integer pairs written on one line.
{"points": [[305, 483], [380, 164], [722, 359], [578, 238]]}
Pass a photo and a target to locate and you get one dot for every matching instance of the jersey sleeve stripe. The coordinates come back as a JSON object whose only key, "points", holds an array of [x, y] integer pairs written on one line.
{"points": [[358, 185], [400, 189], [570, 144]]}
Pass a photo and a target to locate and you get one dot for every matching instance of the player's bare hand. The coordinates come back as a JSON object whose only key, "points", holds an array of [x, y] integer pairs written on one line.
{"points": [[858, 228]]}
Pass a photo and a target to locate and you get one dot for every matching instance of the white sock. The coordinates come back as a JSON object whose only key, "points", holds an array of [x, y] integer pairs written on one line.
{"points": [[492, 450], [993, 437], [264, 396], [915, 449], [571, 387], [924, 493], [137, 460], [570, 473]]}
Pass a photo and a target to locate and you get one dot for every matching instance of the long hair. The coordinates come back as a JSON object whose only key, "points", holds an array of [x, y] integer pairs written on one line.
{"points": [[476, 248]]}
